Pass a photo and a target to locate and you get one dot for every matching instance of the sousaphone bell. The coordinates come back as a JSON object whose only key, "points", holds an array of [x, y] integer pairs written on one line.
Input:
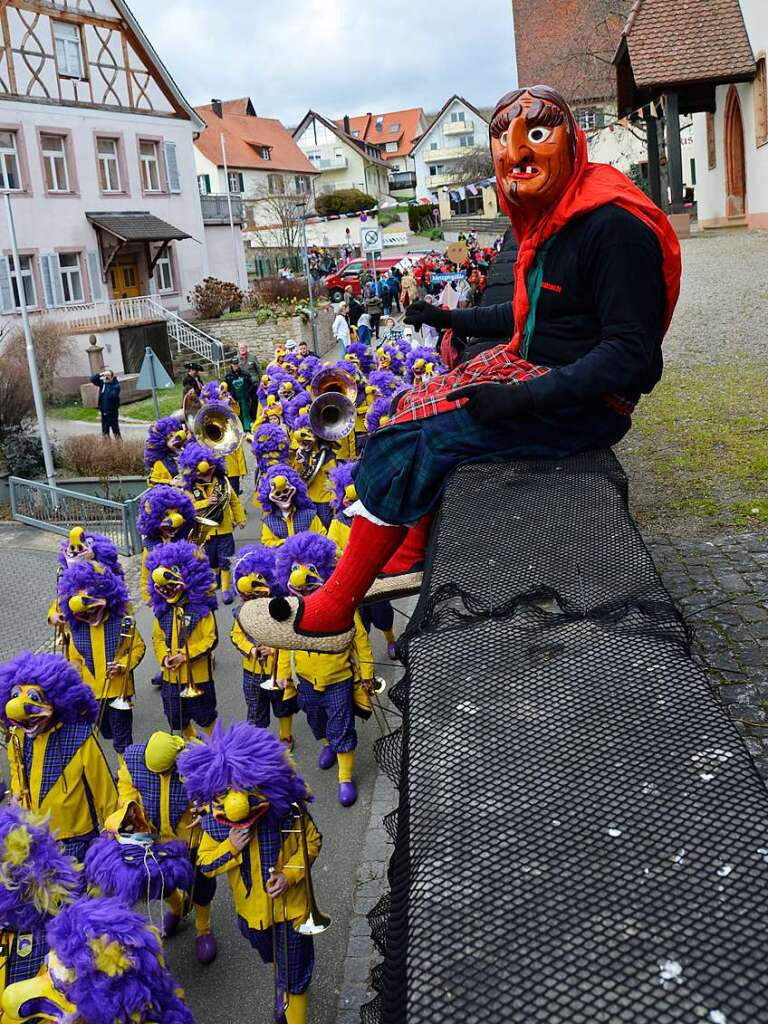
{"points": [[333, 412]]}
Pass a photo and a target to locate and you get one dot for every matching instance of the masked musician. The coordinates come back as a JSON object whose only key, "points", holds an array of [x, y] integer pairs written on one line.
{"points": [[56, 764], [184, 635], [220, 393], [104, 644], [165, 439], [596, 282], [254, 574], [166, 514], [313, 460], [287, 508], [150, 777], [260, 835], [326, 682], [205, 481], [37, 881], [105, 964]]}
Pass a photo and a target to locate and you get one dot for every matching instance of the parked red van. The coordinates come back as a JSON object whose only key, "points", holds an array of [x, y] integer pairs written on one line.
{"points": [[349, 274]]}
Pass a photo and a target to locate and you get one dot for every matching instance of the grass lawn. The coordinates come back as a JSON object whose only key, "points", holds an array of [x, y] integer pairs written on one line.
{"points": [[697, 454], [144, 411]]}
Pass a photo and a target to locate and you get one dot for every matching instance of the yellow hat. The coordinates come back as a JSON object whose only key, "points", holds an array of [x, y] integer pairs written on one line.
{"points": [[161, 751]]}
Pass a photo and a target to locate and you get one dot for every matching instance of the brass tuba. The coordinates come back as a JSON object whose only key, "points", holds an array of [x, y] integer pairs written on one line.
{"points": [[218, 428], [333, 412]]}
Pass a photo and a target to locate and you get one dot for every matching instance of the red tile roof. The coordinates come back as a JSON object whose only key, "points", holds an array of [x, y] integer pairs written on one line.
{"points": [[245, 135], [699, 40], [365, 125]]}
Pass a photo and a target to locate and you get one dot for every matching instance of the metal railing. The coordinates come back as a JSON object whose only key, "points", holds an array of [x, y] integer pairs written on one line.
{"points": [[57, 510], [216, 211], [402, 179]]}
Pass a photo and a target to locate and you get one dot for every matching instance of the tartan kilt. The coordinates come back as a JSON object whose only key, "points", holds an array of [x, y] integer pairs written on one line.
{"points": [[406, 465]]}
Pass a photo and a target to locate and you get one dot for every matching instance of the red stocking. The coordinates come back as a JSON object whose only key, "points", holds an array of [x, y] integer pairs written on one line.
{"points": [[331, 609], [409, 557]]}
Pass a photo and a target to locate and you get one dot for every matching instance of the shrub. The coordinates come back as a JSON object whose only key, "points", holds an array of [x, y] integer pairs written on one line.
{"points": [[345, 200], [387, 217], [212, 297], [86, 455], [52, 348], [23, 452], [420, 217]]}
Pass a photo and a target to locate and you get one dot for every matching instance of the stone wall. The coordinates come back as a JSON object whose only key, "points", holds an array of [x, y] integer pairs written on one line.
{"points": [[262, 338]]}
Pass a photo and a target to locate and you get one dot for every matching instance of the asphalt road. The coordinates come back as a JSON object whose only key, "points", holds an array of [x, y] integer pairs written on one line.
{"points": [[237, 987]]}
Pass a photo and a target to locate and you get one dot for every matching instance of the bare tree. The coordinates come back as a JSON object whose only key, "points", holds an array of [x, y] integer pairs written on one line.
{"points": [[275, 219], [477, 163]]}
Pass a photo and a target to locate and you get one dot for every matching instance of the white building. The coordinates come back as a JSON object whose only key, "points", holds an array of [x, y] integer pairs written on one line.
{"points": [[458, 128], [732, 140], [393, 134], [96, 150], [343, 161]]}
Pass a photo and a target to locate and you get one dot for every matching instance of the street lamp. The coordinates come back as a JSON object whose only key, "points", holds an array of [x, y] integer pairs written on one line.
{"points": [[301, 203]]}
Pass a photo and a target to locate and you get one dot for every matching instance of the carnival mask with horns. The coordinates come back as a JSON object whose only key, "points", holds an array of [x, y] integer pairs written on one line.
{"points": [[533, 139]]}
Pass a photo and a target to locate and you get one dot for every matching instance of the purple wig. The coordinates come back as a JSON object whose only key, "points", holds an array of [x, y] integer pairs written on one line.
{"points": [[123, 870], [301, 500], [242, 757], [294, 407], [213, 392], [308, 367], [276, 376], [305, 549], [104, 551], [156, 445], [378, 409], [341, 477], [137, 988], [35, 888], [258, 559], [270, 444], [71, 699], [96, 581], [157, 503], [364, 355], [193, 453], [199, 596], [385, 382]]}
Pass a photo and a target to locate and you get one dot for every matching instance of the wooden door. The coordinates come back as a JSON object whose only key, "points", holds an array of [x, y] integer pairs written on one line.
{"points": [[735, 163], [125, 279]]}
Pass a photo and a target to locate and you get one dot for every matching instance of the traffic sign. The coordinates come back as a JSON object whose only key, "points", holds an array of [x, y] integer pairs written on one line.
{"points": [[371, 239], [152, 373]]}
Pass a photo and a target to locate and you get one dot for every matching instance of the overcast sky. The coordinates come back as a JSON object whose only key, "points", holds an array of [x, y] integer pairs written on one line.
{"points": [[337, 56]]}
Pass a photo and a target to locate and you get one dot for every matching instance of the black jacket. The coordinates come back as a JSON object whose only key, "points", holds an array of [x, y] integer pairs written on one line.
{"points": [[499, 287], [109, 394], [599, 319]]}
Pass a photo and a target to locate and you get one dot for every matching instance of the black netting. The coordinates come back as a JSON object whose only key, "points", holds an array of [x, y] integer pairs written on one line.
{"points": [[581, 835]]}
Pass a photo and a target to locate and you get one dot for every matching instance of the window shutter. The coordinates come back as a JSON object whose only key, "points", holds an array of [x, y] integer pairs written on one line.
{"points": [[46, 273], [6, 292], [94, 275], [172, 167]]}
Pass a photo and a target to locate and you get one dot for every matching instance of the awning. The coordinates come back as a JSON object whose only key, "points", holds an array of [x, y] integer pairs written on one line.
{"points": [[136, 227], [129, 227]]}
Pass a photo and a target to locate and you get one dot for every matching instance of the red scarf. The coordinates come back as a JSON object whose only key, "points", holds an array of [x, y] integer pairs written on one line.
{"points": [[591, 186]]}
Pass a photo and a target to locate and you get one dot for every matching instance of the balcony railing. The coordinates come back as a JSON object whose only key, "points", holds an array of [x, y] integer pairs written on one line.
{"points": [[216, 210], [402, 179], [452, 153], [336, 163], [106, 314], [457, 127]]}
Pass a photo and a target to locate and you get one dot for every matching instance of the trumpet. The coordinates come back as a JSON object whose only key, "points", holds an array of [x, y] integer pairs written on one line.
{"points": [[333, 412], [127, 632]]}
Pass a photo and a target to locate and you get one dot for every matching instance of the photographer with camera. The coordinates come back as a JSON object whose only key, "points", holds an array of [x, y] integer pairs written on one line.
{"points": [[109, 401]]}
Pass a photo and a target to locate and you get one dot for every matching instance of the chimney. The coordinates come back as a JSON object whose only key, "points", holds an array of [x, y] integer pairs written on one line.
{"points": [[346, 123], [216, 105]]}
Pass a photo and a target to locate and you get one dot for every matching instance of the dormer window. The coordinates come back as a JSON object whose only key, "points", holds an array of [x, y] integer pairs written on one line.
{"points": [[265, 152], [379, 124], [395, 127], [69, 59]]}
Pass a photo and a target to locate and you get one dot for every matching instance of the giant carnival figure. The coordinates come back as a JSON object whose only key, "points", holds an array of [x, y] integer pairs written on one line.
{"points": [[596, 282]]}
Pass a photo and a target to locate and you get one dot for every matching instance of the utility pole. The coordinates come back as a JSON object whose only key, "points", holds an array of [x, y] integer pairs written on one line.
{"points": [[50, 472], [301, 209], [236, 243]]}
